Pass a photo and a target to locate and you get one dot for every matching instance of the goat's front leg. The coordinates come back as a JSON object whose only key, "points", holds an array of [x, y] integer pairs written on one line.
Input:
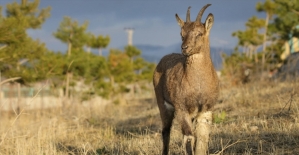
{"points": [[202, 126], [186, 125]]}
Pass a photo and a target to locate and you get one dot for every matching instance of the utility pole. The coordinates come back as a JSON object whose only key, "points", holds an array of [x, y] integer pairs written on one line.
{"points": [[130, 32]]}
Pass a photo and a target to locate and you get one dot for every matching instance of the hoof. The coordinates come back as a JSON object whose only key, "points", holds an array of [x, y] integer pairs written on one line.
{"points": [[189, 145]]}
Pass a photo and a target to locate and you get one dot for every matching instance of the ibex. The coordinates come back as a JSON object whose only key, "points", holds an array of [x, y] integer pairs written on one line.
{"points": [[187, 87]]}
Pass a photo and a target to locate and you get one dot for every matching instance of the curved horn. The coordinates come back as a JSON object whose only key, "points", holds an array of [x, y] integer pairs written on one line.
{"points": [[188, 15], [198, 18]]}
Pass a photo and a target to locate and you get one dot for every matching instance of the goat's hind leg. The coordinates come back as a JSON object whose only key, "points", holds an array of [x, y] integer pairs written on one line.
{"points": [[167, 115], [167, 123]]}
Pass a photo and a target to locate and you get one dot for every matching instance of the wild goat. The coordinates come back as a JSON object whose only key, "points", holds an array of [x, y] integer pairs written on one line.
{"points": [[186, 84]]}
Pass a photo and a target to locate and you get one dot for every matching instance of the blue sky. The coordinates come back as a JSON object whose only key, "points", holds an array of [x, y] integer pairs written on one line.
{"points": [[154, 21]]}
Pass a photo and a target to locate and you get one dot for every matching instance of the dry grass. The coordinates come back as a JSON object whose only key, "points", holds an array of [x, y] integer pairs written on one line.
{"points": [[261, 118]]}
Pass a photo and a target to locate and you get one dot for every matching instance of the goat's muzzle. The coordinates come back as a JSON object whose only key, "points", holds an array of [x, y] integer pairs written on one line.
{"points": [[187, 52]]}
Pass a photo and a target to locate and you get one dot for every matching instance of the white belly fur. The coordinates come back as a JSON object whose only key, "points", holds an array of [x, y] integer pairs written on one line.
{"points": [[168, 106]]}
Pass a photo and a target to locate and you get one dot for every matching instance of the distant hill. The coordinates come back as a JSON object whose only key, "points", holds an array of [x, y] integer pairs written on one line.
{"points": [[154, 53]]}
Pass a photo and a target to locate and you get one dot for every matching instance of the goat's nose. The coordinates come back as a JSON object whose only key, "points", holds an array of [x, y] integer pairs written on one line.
{"points": [[184, 47]]}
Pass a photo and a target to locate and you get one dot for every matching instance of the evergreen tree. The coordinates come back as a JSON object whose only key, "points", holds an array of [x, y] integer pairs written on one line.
{"points": [[282, 28], [19, 52], [99, 42], [132, 52], [141, 68], [268, 6], [80, 65], [250, 39], [72, 33], [97, 72], [119, 67], [286, 20], [75, 36]]}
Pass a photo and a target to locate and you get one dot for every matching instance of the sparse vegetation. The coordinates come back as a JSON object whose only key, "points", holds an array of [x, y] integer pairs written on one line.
{"points": [[28, 58], [261, 118], [256, 117], [265, 43]]}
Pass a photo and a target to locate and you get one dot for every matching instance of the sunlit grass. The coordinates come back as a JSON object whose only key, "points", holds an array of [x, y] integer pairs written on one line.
{"points": [[260, 118]]}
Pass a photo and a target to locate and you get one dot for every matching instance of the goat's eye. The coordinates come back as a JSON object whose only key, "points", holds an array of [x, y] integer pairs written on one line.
{"points": [[183, 38], [199, 34]]}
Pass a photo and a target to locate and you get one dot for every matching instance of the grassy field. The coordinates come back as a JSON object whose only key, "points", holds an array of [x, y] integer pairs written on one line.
{"points": [[258, 118]]}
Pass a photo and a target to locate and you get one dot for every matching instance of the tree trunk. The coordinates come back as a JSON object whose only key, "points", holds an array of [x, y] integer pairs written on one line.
{"points": [[100, 51], [67, 83], [0, 90], [19, 92], [88, 49], [112, 85], [250, 52], [19, 98], [255, 55], [68, 74], [265, 39], [69, 48]]}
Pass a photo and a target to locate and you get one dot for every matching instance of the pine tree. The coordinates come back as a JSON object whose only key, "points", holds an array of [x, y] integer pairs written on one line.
{"points": [[75, 36], [279, 26], [72, 33], [19, 52], [99, 42], [132, 52], [286, 20], [269, 7], [250, 39]]}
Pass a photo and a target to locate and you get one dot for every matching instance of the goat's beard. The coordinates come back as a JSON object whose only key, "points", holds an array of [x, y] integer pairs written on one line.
{"points": [[187, 53]]}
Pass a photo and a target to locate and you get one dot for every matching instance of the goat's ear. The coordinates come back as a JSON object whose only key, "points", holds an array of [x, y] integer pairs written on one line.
{"points": [[179, 20], [209, 23]]}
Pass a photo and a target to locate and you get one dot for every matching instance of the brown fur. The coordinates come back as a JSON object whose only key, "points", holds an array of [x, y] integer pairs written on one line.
{"points": [[187, 81]]}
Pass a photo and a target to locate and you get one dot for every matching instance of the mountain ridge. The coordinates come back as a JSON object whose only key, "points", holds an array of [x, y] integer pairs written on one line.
{"points": [[153, 53]]}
